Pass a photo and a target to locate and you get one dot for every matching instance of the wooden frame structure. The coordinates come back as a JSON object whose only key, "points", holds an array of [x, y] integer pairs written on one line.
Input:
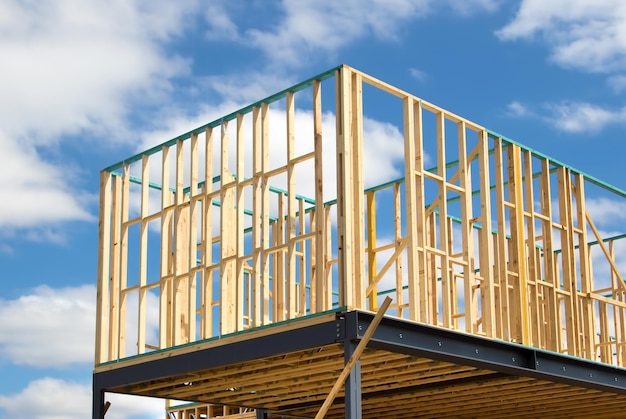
{"points": [[266, 216]]}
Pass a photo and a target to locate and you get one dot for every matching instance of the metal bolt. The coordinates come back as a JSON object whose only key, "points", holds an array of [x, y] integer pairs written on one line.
{"points": [[440, 344], [476, 351], [360, 327], [400, 334], [513, 359], [563, 368]]}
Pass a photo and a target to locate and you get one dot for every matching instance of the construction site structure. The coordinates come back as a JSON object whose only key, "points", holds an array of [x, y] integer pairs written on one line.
{"points": [[242, 263]]}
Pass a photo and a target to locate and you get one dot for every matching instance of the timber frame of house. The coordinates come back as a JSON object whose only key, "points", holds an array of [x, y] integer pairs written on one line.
{"points": [[241, 263]]}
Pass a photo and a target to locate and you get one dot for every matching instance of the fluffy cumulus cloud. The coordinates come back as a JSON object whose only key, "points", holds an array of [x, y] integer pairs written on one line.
{"points": [[418, 74], [617, 83], [52, 398], [571, 116], [586, 34], [517, 109], [62, 318], [325, 26], [605, 212], [72, 67], [33, 182], [582, 117]]}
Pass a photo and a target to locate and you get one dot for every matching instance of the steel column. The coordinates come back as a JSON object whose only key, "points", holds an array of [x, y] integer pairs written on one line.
{"points": [[97, 411], [353, 409]]}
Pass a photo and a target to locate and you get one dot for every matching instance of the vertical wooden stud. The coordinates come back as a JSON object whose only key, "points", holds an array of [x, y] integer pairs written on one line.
{"points": [[371, 246], [257, 216], [318, 288], [207, 239], [486, 251], [467, 238], [239, 279], [143, 254], [567, 255], [114, 275], [278, 279], [420, 218], [553, 338], [181, 253], [519, 255], [584, 259], [103, 324], [357, 216], [123, 260], [228, 223], [502, 301], [291, 209], [165, 297], [446, 279], [412, 209], [532, 279], [194, 203], [398, 242], [265, 217], [345, 197]]}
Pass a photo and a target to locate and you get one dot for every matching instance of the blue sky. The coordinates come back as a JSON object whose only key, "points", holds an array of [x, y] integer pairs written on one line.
{"points": [[84, 84]]}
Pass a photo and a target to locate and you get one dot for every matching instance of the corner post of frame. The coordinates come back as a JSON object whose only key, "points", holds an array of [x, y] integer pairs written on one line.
{"points": [[104, 245], [345, 185]]}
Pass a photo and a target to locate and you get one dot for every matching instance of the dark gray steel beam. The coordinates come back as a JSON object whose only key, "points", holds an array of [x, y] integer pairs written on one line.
{"points": [[245, 350], [446, 345]]}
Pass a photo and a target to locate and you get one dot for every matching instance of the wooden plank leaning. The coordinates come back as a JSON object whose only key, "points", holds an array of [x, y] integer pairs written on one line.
{"points": [[353, 359]]}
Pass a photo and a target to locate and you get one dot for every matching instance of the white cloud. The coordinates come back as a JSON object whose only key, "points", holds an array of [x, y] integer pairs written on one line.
{"points": [[221, 27], [418, 74], [309, 27], [607, 212], [617, 83], [249, 87], [6, 249], [62, 319], [51, 398], [586, 34], [581, 117], [475, 6], [35, 192], [517, 109], [70, 67], [73, 65], [571, 116]]}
